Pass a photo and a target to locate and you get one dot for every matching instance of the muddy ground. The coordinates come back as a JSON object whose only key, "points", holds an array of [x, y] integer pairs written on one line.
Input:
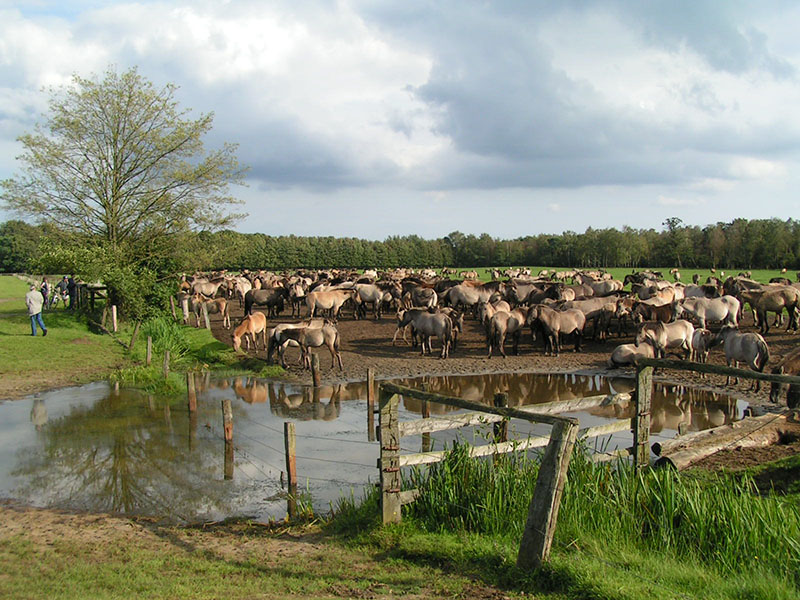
{"points": [[368, 343]]}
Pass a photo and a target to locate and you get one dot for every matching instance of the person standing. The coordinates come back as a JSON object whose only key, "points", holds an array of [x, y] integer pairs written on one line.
{"points": [[61, 290], [34, 301], [45, 289], [72, 289]]}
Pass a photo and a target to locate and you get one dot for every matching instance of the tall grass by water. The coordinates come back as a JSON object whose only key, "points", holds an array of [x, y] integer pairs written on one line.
{"points": [[720, 521]]}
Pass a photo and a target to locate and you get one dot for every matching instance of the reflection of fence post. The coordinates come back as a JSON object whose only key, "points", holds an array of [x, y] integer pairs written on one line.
{"points": [[390, 456], [641, 421], [534, 549], [290, 445], [227, 430], [148, 358], [185, 309], [165, 368], [191, 392], [315, 376], [114, 318], [370, 405]]}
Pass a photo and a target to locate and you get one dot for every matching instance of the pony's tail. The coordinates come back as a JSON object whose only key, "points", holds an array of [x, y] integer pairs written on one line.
{"points": [[763, 355]]}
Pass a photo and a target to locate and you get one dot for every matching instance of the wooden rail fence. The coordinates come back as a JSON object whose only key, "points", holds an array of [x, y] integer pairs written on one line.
{"points": [[543, 509]]}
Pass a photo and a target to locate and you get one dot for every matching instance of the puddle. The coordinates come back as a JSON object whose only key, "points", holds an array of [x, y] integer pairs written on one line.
{"points": [[91, 448]]}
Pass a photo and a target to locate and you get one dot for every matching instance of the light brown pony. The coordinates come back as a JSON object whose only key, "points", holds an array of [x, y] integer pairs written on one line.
{"points": [[331, 300], [553, 323], [308, 338], [252, 325], [214, 306]]}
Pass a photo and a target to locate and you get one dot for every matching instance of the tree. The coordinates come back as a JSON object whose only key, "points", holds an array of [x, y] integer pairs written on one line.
{"points": [[119, 164]]}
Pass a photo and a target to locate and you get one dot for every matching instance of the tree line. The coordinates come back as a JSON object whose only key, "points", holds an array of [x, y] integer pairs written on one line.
{"points": [[739, 244]]}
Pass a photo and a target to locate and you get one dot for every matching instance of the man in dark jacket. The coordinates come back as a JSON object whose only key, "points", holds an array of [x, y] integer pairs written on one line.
{"points": [[72, 290]]}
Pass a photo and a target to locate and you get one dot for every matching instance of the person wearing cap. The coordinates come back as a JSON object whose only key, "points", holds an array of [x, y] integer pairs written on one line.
{"points": [[35, 301]]}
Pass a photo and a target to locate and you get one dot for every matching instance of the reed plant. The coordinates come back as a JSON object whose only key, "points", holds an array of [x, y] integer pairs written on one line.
{"points": [[721, 522]]}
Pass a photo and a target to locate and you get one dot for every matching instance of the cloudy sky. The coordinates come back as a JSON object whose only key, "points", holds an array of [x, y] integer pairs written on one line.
{"points": [[368, 118]]}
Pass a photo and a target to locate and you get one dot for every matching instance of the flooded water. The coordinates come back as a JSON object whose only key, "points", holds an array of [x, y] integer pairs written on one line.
{"points": [[91, 448]]}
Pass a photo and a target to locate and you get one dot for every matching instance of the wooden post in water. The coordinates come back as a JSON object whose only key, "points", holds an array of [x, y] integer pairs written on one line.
{"points": [[290, 444], [425, 409], [534, 549], [185, 309], [114, 318], [227, 430], [370, 405], [641, 420], [501, 428], [315, 375], [165, 367], [149, 355], [205, 316], [172, 307], [390, 457]]}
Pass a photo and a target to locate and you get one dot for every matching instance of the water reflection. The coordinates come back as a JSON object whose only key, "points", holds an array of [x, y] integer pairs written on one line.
{"points": [[122, 453], [99, 448], [672, 407]]}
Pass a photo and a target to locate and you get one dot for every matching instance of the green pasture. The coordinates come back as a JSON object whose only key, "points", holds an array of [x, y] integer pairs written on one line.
{"points": [[760, 275]]}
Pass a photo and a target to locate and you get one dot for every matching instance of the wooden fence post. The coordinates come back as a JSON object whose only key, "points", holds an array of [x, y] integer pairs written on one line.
{"points": [[290, 445], [114, 318], [172, 307], [390, 457], [149, 355], [534, 549], [370, 405], [185, 309], [641, 420], [135, 334], [206, 320], [165, 367], [315, 376], [104, 318], [227, 430]]}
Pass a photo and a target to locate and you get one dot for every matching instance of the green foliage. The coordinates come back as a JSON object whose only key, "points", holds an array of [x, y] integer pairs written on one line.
{"points": [[18, 246]]}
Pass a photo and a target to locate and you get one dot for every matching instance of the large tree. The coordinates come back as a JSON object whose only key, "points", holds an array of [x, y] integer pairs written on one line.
{"points": [[119, 163]]}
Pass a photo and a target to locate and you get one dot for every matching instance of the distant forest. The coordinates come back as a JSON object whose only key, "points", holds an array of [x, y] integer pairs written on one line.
{"points": [[740, 244]]}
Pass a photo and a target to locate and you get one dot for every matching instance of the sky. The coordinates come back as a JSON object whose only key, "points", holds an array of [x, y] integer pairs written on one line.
{"points": [[371, 118]]}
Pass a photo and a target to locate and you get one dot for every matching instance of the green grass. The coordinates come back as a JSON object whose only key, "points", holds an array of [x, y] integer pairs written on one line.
{"points": [[75, 352], [619, 534]]}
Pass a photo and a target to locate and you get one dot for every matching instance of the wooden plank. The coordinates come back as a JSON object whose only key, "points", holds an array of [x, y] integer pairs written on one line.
{"points": [[459, 403], [420, 426], [391, 482], [715, 370], [607, 429], [424, 458], [641, 428], [751, 432], [534, 549], [601, 457], [114, 318]]}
